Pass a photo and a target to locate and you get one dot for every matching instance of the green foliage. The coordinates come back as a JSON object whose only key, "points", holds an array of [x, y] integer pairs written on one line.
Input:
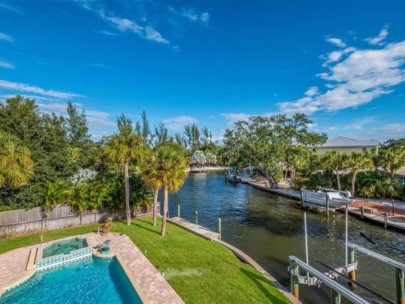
{"points": [[199, 158], [16, 166], [267, 142], [46, 138]]}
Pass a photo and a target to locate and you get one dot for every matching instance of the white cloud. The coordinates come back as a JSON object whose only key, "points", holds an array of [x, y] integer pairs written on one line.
{"points": [[26, 88], [6, 65], [100, 65], [146, 31], [108, 33], [6, 37], [355, 77], [312, 91], [152, 34], [234, 117], [11, 8], [178, 123], [336, 41], [379, 39], [192, 15]]}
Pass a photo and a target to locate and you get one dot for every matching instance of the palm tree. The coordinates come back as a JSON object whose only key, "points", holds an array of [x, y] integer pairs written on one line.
{"points": [[16, 165], [393, 158], [355, 162], [151, 178], [54, 193], [79, 199], [123, 150], [170, 170], [333, 160]]}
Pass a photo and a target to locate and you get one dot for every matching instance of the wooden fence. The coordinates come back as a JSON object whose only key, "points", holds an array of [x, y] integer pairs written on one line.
{"points": [[62, 216]]}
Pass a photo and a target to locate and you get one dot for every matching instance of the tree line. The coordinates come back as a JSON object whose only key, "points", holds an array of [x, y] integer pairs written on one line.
{"points": [[48, 159], [277, 145]]}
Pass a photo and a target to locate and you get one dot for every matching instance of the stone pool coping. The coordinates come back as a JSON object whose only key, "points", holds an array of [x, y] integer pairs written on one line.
{"points": [[17, 266]]}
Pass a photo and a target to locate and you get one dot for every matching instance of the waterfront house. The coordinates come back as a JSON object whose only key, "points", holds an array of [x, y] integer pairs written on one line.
{"points": [[348, 145]]}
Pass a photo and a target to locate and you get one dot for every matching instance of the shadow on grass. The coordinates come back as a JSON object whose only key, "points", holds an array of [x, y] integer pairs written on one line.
{"points": [[222, 259], [134, 223], [261, 282]]}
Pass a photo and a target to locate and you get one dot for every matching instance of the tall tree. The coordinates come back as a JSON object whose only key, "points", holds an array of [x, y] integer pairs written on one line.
{"points": [[333, 160], [78, 130], [355, 162], [161, 134], [151, 178], [192, 136], [393, 158], [170, 170], [122, 151], [264, 142], [16, 166]]}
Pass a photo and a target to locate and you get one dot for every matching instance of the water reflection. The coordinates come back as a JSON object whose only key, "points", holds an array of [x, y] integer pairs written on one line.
{"points": [[270, 228]]}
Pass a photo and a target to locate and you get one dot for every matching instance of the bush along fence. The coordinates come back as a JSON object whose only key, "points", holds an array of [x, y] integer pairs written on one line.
{"points": [[62, 216]]}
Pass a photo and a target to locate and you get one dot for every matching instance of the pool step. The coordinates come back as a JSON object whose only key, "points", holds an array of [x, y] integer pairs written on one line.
{"points": [[31, 258]]}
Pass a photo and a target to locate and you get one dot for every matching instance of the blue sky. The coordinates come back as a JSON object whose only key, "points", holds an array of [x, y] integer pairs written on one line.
{"points": [[211, 62]]}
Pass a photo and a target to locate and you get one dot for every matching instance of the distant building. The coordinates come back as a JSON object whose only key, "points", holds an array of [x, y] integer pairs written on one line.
{"points": [[347, 145]]}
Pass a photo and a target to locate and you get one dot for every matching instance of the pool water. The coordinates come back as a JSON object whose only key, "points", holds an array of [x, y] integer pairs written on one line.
{"points": [[64, 247], [92, 280]]}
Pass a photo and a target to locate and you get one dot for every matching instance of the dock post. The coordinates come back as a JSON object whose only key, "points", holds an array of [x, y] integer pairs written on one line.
{"points": [[327, 205], [362, 212], [400, 285], [294, 279], [352, 274], [196, 218], [335, 297], [302, 197], [219, 228], [178, 211], [385, 220]]}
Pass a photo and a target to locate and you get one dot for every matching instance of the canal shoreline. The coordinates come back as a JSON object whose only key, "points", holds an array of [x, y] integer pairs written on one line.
{"points": [[362, 211], [213, 236]]}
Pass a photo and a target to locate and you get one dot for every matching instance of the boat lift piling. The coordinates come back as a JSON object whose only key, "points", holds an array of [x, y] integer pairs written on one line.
{"points": [[313, 277]]}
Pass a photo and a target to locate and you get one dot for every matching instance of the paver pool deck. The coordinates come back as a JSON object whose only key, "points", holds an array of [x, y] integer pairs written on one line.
{"points": [[152, 285]]}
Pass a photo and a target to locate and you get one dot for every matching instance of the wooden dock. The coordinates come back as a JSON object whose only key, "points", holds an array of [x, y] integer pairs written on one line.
{"points": [[196, 229], [392, 222]]}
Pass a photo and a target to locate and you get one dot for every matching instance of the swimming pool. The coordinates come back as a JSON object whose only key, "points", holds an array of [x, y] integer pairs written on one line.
{"points": [[64, 246], [92, 280]]}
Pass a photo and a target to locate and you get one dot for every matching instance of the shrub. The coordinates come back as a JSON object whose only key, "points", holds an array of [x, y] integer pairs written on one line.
{"points": [[107, 226]]}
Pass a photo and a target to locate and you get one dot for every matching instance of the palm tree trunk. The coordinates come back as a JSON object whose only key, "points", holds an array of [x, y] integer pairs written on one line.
{"points": [[354, 183], [155, 197], [338, 179], [127, 207], [165, 205]]}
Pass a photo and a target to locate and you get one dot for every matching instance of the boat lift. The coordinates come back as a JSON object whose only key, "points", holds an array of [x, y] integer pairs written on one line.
{"points": [[314, 277]]}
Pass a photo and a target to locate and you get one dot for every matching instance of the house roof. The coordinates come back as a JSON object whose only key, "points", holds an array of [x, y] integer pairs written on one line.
{"points": [[340, 142]]}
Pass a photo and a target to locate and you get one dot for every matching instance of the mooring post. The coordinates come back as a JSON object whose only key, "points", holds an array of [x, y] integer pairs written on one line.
{"points": [[385, 220], [400, 285], [327, 205], [196, 218], [352, 274], [362, 212], [302, 197], [335, 297], [295, 285], [178, 211], [219, 228]]}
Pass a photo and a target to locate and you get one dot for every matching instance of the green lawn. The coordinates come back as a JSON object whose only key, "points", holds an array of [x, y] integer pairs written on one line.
{"points": [[199, 270]]}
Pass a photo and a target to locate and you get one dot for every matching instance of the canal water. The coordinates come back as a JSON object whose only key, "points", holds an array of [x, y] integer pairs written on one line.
{"points": [[269, 228]]}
